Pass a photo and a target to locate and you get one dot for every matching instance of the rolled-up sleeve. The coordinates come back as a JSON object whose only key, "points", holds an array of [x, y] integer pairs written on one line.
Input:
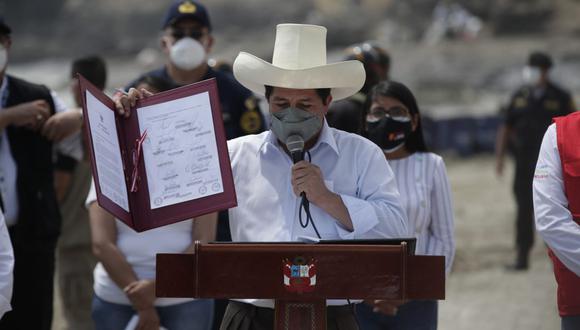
{"points": [[376, 210], [553, 219], [6, 267]]}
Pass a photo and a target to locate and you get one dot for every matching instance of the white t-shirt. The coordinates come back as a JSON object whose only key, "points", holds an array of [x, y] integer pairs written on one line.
{"points": [[140, 250]]}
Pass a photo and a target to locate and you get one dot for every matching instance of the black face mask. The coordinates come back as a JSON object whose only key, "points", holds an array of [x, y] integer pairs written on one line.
{"points": [[389, 133]]}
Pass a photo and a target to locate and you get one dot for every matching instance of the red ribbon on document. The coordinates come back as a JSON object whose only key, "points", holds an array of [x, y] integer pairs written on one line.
{"points": [[136, 156]]}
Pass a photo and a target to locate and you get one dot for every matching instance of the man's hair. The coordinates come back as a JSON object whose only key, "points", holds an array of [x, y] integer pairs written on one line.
{"points": [[93, 68], [322, 92]]}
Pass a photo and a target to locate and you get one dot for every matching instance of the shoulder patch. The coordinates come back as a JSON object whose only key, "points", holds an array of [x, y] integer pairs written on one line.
{"points": [[251, 121], [520, 102], [552, 105]]}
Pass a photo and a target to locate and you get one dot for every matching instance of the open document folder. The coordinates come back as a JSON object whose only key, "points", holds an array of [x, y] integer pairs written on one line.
{"points": [[167, 162]]}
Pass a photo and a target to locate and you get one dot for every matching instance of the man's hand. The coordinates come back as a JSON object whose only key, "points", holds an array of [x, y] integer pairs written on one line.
{"points": [[62, 125], [141, 293], [29, 114], [388, 307], [148, 319], [307, 178], [124, 102]]}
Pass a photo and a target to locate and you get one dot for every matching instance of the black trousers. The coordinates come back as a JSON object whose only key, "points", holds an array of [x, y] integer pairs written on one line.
{"points": [[241, 316], [33, 285], [524, 176]]}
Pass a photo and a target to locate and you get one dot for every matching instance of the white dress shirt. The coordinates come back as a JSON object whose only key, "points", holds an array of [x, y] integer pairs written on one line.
{"points": [[8, 169], [6, 267], [426, 198], [553, 219], [352, 167]]}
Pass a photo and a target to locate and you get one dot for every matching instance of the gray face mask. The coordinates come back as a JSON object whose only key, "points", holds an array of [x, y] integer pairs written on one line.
{"points": [[292, 121]]}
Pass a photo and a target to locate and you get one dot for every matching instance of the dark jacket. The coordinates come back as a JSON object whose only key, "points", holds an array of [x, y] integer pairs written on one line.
{"points": [[39, 216]]}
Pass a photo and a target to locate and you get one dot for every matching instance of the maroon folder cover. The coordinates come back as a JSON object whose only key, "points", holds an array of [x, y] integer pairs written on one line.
{"points": [[141, 216]]}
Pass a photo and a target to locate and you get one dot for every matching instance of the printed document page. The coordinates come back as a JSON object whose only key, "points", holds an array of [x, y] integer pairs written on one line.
{"points": [[180, 151], [107, 151]]}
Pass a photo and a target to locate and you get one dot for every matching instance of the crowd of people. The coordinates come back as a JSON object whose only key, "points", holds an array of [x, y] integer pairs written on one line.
{"points": [[369, 174]]}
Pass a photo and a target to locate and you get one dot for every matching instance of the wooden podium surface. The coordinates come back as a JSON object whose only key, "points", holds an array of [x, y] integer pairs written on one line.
{"points": [[300, 277]]}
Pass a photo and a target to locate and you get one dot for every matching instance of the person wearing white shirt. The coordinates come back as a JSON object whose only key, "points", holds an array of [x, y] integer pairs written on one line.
{"points": [[393, 122], [6, 267], [350, 187], [556, 191], [124, 278]]}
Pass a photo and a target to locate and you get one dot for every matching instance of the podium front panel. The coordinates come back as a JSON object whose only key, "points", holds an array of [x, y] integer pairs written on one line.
{"points": [[300, 271]]}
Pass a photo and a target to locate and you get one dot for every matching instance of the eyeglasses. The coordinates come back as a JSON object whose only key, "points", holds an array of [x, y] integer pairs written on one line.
{"points": [[378, 113], [179, 34]]}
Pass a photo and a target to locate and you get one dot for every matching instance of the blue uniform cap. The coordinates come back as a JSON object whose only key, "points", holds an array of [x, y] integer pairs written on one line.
{"points": [[186, 9]]}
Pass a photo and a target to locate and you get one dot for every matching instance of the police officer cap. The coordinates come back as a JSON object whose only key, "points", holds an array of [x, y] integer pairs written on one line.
{"points": [[4, 28], [186, 9], [541, 60]]}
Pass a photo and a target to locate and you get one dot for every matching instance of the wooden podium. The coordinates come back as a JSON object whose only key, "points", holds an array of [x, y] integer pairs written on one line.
{"points": [[300, 277]]}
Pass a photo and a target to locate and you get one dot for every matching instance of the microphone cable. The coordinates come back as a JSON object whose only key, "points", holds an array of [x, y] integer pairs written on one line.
{"points": [[305, 204]]}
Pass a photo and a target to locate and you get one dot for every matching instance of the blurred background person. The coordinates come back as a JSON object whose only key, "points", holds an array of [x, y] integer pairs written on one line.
{"points": [[348, 114], [6, 266], [125, 275], [31, 117], [393, 122], [529, 114], [75, 260], [186, 42]]}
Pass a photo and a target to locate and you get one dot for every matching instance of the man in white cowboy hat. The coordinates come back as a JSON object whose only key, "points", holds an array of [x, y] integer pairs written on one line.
{"points": [[350, 186]]}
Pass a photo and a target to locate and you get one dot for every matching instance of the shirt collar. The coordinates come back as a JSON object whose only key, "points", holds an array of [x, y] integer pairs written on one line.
{"points": [[326, 137]]}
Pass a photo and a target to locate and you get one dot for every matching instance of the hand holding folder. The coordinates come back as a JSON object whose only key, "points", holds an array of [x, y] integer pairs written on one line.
{"points": [[165, 162]]}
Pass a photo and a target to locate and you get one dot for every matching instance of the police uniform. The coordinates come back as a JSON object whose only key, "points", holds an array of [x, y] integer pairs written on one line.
{"points": [[529, 114], [240, 111]]}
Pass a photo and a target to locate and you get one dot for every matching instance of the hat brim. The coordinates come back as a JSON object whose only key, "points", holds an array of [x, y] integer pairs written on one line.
{"points": [[343, 78]]}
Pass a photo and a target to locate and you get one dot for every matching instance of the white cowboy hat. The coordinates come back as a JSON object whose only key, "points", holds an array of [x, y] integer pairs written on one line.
{"points": [[299, 62]]}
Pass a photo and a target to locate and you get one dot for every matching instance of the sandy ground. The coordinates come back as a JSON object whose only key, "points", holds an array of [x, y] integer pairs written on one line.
{"points": [[480, 293]]}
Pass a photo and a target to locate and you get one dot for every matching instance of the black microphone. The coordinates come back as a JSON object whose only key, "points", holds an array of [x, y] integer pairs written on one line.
{"points": [[295, 145]]}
